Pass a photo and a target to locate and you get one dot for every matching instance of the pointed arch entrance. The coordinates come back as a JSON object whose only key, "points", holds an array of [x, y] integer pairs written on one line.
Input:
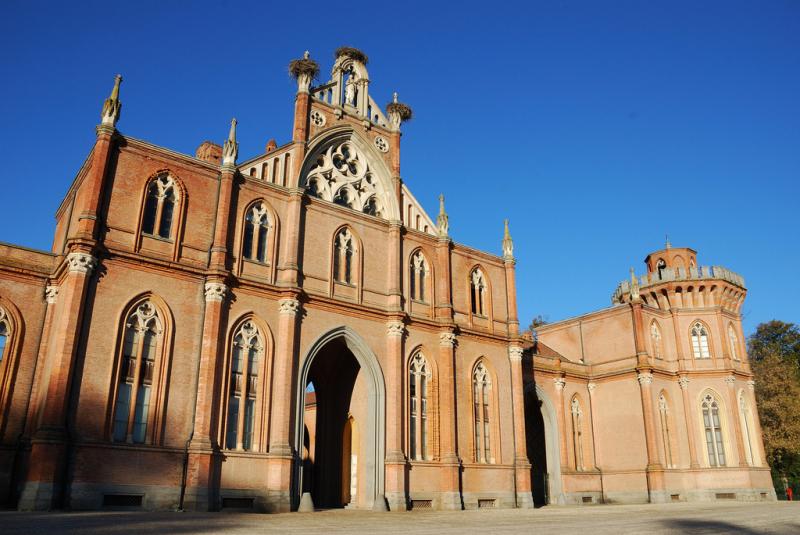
{"points": [[336, 364], [541, 432]]}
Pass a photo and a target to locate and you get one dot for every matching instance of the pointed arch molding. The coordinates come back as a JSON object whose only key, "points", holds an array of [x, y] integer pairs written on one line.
{"points": [[10, 362], [375, 427], [367, 178]]}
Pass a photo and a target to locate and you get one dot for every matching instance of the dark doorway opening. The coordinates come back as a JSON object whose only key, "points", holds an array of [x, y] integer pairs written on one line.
{"points": [[332, 375], [537, 453]]}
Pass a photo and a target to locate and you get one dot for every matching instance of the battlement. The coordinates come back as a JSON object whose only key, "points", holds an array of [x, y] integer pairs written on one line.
{"points": [[665, 275]]}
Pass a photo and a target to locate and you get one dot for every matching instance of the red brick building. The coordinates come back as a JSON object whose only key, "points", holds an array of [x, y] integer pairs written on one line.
{"points": [[210, 334]]}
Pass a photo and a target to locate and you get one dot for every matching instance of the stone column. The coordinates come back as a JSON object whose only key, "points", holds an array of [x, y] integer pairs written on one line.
{"points": [[734, 417], [560, 383], [42, 371], [219, 249], [448, 441], [203, 455], [655, 476], [43, 487], [395, 267], [395, 486], [288, 269], [522, 466], [688, 415], [444, 303], [281, 450]]}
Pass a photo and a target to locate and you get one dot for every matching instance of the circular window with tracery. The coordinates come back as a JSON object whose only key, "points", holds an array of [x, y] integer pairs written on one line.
{"points": [[317, 118], [382, 144]]}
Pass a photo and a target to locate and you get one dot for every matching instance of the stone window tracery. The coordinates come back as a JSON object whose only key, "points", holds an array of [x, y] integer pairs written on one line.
{"points": [[419, 277], [419, 379], [159, 207], [700, 347], [655, 338], [713, 431], [256, 230], [142, 341], [344, 257], [246, 356], [577, 433], [478, 292], [342, 175], [481, 395], [5, 333]]}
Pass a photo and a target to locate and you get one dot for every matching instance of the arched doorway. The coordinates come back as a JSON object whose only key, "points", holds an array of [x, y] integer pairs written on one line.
{"points": [[541, 432], [340, 422]]}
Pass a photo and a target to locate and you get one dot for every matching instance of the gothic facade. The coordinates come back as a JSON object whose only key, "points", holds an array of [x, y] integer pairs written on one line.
{"points": [[212, 334]]}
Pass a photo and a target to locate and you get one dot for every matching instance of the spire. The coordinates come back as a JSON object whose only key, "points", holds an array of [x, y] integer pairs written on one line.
{"points": [[112, 106], [442, 222], [231, 149], [669, 245], [508, 244], [634, 286]]}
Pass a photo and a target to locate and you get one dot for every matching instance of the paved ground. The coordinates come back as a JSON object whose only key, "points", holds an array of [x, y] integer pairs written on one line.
{"points": [[741, 518]]}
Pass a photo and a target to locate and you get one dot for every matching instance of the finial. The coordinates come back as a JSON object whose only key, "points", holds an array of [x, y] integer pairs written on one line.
{"points": [[442, 222], [394, 97], [634, 286], [306, 54], [231, 148], [668, 243], [112, 106], [508, 244]]}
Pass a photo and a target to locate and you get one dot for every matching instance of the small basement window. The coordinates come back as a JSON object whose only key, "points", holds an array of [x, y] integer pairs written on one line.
{"points": [[122, 500]]}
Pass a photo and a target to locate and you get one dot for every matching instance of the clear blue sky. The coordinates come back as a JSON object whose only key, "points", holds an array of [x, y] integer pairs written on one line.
{"points": [[596, 127]]}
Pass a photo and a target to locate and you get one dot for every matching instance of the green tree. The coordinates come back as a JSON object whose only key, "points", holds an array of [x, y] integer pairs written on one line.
{"points": [[774, 350]]}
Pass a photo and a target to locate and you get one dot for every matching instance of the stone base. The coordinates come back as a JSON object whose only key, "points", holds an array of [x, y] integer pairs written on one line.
{"points": [[524, 500], [490, 500], [92, 496], [37, 496], [450, 501], [397, 501]]}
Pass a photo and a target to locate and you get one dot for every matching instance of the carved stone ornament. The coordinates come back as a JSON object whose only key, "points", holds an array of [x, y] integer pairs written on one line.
{"points": [[560, 383], [730, 380], [751, 384], [382, 144], [215, 291], [683, 382], [317, 118], [515, 353], [591, 387], [645, 378], [81, 263], [289, 305], [395, 328], [447, 339], [51, 294]]}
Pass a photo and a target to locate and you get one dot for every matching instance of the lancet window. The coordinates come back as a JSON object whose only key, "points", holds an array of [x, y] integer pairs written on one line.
{"points": [[256, 230], [246, 355], [419, 277], [142, 341], [5, 332], [713, 431], [159, 206], [734, 342], [655, 338], [577, 433], [700, 347], [344, 257], [747, 429], [482, 414], [418, 386], [477, 285], [666, 432]]}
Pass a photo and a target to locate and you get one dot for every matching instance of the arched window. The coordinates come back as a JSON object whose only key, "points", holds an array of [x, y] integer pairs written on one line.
{"points": [[666, 433], [577, 433], [418, 381], [343, 257], [655, 338], [256, 229], [5, 332], [477, 285], [734, 342], [159, 206], [747, 429], [419, 277], [141, 344], [481, 395], [371, 207], [700, 346], [661, 266], [713, 431], [246, 354]]}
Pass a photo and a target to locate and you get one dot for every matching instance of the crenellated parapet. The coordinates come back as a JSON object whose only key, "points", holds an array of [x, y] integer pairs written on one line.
{"points": [[679, 287]]}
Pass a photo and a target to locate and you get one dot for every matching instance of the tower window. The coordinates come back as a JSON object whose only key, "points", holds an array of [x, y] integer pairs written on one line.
{"points": [[700, 348], [159, 207], [256, 229], [419, 277], [478, 293], [481, 390], [343, 257], [419, 378], [713, 431]]}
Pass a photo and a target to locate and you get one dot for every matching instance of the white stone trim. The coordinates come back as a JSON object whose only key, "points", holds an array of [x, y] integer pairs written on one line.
{"points": [[515, 353], [447, 339], [559, 383], [81, 263], [215, 291], [645, 378], [51, 294], [395, 328], [289, 305], [683, 382]]}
